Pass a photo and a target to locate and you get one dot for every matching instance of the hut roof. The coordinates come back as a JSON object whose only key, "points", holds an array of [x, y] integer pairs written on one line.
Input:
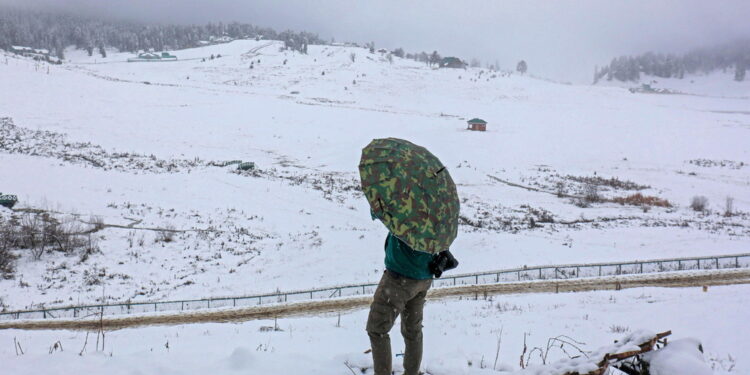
{"points": [[476, 121]]}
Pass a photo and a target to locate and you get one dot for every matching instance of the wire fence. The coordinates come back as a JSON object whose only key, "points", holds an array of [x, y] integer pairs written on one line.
{"points": [[553, 272]]}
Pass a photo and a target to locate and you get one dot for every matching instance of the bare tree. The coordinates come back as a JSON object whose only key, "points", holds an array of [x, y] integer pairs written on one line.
{"points": [[521, 67], [729, 207], [434, 58]]}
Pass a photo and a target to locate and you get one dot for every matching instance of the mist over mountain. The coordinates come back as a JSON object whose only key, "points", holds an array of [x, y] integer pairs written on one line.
{"points": [[56, 31], [730, 56], [563, 40]]}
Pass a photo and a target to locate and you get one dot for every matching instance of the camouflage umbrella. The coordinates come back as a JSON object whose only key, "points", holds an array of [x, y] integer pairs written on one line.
{"points": [[411, 192]]}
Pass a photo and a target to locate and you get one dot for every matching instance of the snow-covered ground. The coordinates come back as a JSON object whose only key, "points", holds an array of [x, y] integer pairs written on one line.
{"points": [[719, 84], [298, 221], [134, 146], [461, 337]]}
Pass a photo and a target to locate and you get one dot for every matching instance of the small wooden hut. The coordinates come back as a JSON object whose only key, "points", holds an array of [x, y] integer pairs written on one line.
{"points": [[477, 124]]}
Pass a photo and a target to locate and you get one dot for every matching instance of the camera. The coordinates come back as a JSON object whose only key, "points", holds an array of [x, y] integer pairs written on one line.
{"points": [[442, 262]]}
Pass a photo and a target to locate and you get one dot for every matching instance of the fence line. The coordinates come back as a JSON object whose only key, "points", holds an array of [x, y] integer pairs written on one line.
{"points": [[550, 272]]}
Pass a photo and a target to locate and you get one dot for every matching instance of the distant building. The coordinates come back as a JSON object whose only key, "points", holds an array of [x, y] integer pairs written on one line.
{"points": [[452, 62], [477, 124], [8, 200], [153, 57], [221, 39]]}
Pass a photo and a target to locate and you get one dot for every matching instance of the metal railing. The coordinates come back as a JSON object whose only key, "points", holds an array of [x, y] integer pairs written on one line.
{"points": [[565, 271]]}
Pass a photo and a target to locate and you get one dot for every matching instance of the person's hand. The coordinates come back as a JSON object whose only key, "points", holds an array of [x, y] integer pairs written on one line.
{"points": [[442, 262]]}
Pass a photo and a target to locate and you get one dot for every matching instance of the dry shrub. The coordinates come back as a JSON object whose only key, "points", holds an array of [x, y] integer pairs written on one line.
{"points": [[729, 207], [699, 203], [639, 199], [40, 232], [66, 236], [7, 242], [613, 182], [97, 222], [165, 234], [7, 263], [590, 195]]}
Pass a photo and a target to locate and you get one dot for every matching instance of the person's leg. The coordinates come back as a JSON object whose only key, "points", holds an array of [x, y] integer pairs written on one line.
{"points": [[411, 328], [386, 306]]}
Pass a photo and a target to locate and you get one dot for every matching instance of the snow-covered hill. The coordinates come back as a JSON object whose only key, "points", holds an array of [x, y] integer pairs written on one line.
{"points": [[126, 149]]}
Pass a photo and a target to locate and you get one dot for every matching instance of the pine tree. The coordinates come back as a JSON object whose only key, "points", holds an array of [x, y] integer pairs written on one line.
{"points": [[51, 31], [739, 73], [434, 58]]}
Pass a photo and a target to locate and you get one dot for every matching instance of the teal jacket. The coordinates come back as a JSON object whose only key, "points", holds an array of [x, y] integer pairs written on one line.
{"points": [[405, 261]]}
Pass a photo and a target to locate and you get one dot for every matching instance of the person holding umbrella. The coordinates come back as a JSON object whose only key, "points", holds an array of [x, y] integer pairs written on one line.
{"points": [[412, 194]]}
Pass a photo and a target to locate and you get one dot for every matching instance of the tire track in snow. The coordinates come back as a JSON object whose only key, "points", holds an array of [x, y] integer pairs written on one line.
{"points": [[678, 279]]}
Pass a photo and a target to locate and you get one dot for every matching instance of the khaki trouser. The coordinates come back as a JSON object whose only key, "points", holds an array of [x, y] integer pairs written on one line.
{"points": [[397, 295]]}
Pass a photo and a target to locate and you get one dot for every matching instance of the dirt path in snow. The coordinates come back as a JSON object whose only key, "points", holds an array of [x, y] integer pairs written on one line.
{"points": [[672, 280]]}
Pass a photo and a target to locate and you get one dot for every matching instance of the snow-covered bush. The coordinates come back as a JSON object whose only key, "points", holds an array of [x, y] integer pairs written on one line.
{"points": [[684, 357]]}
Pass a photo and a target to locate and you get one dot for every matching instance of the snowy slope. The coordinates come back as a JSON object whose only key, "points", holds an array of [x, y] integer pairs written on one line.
{"points": [[299, 222]]}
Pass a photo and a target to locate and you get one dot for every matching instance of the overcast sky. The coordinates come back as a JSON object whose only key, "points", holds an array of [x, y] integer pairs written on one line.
{"points": [[561, 39]]}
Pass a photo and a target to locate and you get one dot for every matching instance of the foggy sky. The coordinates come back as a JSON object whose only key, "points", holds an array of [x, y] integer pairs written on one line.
{"points": [[561, 39]]}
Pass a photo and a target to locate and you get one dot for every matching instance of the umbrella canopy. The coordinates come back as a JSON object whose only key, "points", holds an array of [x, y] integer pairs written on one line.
{"points": [[411, 192]]}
